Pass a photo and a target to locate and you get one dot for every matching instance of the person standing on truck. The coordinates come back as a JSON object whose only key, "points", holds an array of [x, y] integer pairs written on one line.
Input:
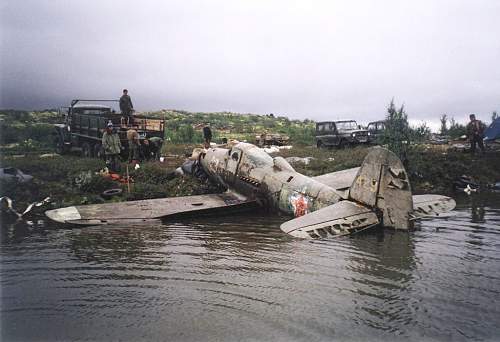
{"points": [[475, 129], [112, 148], [126, 106]]}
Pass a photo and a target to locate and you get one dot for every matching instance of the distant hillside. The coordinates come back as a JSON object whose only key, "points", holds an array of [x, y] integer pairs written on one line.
{"points": [[183, 126]]}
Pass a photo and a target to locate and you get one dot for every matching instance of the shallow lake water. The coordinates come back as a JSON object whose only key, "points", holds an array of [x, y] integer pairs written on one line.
{"points": [[240, 278]]}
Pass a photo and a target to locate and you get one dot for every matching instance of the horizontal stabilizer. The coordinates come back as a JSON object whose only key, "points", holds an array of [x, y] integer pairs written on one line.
{"points": [[341, 218], [431, 205], [339, 180], [137, 211]]}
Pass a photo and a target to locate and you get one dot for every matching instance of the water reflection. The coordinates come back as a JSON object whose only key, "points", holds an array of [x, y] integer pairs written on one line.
{"points": [[15, 231], [240, 277], [382, 272], [477, 204]]}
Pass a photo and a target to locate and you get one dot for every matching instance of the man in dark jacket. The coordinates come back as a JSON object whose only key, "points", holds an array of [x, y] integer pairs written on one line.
{"points": [[207, 136], [475, 129], [126, 106]]}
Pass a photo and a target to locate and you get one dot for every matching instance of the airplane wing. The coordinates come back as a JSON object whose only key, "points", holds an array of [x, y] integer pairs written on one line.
{"points": [[340, 180], [137, 211]]}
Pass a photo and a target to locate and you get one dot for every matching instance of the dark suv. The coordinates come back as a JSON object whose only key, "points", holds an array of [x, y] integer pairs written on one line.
{"points": [[375, 131], [340, 134]]}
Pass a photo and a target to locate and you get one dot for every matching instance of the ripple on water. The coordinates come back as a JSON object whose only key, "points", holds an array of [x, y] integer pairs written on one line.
{"points": [[241, 278]]}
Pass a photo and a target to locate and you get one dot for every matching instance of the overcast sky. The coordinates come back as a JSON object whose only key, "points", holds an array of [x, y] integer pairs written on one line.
{"points": [[304, 59]]}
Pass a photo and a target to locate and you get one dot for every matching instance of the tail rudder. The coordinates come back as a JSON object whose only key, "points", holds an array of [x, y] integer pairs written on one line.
{"points": [[382, 183]]}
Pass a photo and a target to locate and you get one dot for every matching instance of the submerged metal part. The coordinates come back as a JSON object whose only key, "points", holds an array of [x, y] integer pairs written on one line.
{"points": [[431, 205], [63, 215], [340, 218], [143, 210]]}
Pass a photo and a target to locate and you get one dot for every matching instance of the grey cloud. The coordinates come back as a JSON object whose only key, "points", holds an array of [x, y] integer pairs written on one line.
{"points": [[315, 59]]}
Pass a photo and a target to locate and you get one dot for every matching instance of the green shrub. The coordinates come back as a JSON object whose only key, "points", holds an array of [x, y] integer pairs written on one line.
{"points": [[151, 173], [397, 133], [88, 181]]}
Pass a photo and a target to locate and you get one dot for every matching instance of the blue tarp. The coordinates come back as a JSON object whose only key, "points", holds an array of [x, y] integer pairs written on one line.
{"points": [[493, 132]]}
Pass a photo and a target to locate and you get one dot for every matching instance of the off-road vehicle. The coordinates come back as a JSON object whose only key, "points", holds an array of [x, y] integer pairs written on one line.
{"points": [[375, 131], [340, 134]]}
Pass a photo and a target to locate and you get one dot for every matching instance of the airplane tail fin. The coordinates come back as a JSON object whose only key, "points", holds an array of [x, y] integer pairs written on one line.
{"points": [[382, 183], [380, 193]]}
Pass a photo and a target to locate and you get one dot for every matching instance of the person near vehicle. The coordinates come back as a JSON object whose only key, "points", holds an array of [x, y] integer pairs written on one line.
{"points": [[153, 147], [112, 148], [134, 146], [475, 130], [126, 106], [207, 135]]}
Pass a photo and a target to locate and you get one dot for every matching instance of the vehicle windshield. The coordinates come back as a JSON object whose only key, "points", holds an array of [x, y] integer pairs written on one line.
{"points": [[93, 111], [345, 125]]}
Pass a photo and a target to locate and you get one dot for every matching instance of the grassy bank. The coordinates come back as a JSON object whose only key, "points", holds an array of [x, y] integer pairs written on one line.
{"points": [[431, 170], [72, 180]]}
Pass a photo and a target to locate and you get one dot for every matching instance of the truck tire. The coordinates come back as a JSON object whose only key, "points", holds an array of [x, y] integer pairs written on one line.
{"points": [[111, 192], [343, 144], [319, 144], [87, 151], [59, 145]]}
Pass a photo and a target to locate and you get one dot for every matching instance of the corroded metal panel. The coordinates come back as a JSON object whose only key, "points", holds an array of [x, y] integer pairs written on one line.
{"points": [[382, 182], [341, 218], [431, 205], [143, 210], [339, 180]]}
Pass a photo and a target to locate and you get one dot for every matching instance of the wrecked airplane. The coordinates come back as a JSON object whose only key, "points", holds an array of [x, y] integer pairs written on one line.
{"points": [[376, 193]]}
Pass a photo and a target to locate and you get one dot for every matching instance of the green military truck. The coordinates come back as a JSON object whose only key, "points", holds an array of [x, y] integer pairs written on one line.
{"points": [[85, 121]]}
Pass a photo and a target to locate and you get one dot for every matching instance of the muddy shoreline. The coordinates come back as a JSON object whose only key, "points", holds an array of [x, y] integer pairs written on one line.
{"points": [[73, 180]]}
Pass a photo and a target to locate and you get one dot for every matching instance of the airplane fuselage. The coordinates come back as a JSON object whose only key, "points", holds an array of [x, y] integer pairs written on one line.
{"points": [[272, 181]]}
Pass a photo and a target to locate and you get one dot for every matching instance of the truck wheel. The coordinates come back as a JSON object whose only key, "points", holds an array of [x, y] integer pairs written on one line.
{"points": [[86, 150], [111, 192], [319, 144], [343, 144], [59, 145], [98, 151]]}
